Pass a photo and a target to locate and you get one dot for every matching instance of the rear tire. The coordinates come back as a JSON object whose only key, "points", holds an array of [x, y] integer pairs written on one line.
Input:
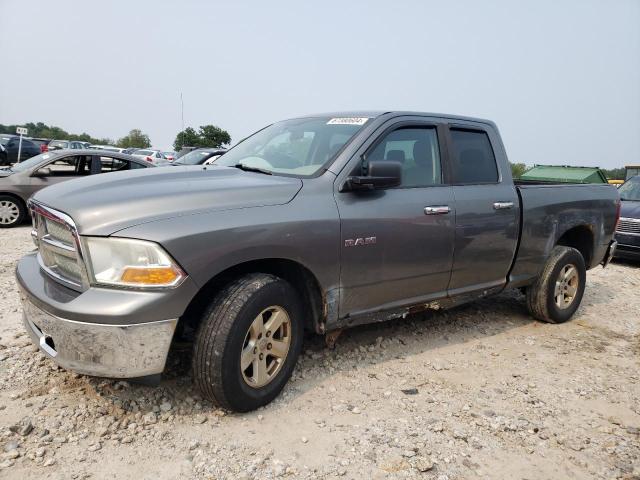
{"points": [[234, 332], [12, 211], [558, 291]]}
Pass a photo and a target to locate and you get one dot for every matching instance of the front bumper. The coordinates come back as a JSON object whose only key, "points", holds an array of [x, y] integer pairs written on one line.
{"points": [[115, 351], [628, 246], [100, 332]]}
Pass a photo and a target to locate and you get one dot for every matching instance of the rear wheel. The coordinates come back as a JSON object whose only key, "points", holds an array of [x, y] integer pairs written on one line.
{"points": [[12, 211], [558, 291], [248, 342]]}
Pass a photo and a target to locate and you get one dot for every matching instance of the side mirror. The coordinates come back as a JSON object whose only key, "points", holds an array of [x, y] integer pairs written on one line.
{"points": [[42, 172], [382, 174]]}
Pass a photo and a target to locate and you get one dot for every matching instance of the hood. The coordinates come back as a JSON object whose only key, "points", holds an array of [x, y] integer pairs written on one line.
{"points": [[630, 209], [104, 204]]}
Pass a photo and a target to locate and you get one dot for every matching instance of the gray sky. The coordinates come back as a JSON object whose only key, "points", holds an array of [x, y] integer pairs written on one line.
{"points": [[560, 78]]}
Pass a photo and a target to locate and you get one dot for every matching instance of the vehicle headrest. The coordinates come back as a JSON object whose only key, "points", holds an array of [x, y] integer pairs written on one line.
{"points": [[422, 152], [395, 156], [96, 165]]}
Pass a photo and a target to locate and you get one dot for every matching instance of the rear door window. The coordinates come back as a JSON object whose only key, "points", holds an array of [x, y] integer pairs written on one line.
{"points": [[472, 158], [110, 164]]}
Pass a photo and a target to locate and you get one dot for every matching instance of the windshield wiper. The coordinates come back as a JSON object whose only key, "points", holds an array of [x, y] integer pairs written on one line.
{"points": [[248, 168]]}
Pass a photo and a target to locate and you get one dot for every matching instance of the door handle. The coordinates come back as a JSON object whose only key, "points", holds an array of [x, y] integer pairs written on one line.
{"points": [[502, 205], [437, 210]]}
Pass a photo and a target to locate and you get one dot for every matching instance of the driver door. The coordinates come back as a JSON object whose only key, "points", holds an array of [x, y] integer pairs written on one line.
{"points": [[396, 248], [60, 170]]}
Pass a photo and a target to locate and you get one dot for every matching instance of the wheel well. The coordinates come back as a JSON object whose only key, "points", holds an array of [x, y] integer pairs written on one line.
{"points": [[296, 274], [580, 238], [17, 198]]}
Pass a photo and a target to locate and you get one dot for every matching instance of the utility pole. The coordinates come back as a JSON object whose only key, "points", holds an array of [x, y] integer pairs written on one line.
{"points": [[182, 111]]}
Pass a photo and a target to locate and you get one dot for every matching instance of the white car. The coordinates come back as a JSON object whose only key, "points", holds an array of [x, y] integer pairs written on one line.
{"points": [[152, 156], [109, 148]]}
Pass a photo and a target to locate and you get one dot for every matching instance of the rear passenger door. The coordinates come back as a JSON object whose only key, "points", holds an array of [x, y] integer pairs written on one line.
{"points": [[487, 209]]}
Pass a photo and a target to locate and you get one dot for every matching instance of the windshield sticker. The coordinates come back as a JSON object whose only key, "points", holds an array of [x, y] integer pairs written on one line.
{"points": [[45, 156], [348, 121]]}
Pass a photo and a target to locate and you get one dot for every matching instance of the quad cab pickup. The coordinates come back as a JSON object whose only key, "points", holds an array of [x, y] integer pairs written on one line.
{"points": [[315, 223]]}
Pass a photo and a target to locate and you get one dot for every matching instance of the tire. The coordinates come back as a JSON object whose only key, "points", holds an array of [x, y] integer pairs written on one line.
{"points": [[227, 330], [542, 301], [12, 211]]}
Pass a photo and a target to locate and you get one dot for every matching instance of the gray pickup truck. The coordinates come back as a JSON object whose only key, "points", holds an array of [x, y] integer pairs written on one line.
{"points": [[315, 223]]}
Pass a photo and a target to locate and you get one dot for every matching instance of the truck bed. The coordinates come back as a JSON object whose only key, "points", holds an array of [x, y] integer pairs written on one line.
{"points": [[549, 210]]}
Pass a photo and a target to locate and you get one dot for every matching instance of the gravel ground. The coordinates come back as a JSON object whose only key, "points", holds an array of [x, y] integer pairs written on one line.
{"points": [[482, 391]]}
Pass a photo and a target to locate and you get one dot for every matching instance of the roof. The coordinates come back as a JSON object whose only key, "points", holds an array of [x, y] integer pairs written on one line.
{"points": [[94, 151], [565, 174], [394, 113]]}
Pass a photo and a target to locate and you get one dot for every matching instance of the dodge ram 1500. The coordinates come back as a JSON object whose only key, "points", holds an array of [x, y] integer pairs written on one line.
{"points": [[315, 223]]}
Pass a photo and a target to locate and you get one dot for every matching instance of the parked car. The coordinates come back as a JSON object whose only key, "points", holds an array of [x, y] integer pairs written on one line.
{"points": [[628, 229], [152, 156], [66, 144], [43, 143], [108, 148], [200, 156], [19, 182], [9, 146], [315, 223], [171, 156]]}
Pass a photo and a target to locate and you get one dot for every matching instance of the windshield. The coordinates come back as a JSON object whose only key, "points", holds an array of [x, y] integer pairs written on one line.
{"points": [[631, 189], [32, 162], [195, 157], [143, 152], [297, 147]]}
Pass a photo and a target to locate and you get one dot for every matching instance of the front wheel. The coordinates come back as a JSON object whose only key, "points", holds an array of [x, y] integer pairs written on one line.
{"points": [[558, 291], [248, 342]]}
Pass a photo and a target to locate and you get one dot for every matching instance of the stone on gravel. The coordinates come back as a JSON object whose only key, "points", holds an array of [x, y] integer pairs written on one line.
{"points": [[24, 427], [423, 464]]}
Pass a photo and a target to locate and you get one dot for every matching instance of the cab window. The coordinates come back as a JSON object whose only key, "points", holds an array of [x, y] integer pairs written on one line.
{"points": [[416, 148], [473, 161]]}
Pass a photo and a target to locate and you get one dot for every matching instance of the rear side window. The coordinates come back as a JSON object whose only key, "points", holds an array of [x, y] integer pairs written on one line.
{"points": [[473, 160]]}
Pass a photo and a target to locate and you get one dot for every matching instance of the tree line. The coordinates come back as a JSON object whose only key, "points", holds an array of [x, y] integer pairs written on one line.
{"points": [[209, 136]]}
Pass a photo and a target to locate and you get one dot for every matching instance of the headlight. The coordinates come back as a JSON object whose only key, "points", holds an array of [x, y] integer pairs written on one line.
{"points": [[131, 263]]}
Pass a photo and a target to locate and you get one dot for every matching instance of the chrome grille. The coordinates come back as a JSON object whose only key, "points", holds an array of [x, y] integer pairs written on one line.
{"points": [[629, 226], [59, 250]]}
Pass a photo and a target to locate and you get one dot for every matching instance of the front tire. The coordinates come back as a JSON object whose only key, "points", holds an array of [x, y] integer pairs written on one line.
{"points": [[558, 291], [248, 342], [12, 211]]}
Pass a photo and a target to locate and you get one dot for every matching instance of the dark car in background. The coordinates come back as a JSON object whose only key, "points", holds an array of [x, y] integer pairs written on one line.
{"points": [[628, 229], [43, 143], [9, 146], [200, 156], [20, 181], [66, 144]]}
